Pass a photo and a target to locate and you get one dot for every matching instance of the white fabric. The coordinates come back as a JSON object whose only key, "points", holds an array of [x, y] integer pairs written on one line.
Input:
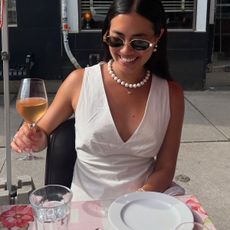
{"points": [[106, 166]]}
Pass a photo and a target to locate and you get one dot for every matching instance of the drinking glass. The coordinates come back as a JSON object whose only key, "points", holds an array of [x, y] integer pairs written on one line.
{"points": [[31, 104], [192, 226], [51, 206]]}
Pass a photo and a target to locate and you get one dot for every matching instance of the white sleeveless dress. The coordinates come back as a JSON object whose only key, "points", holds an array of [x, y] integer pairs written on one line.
{"points": [[106, 166]]}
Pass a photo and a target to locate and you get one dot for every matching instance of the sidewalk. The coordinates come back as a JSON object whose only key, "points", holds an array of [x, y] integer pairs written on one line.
{"points": [[204, 156], [203, 165]]}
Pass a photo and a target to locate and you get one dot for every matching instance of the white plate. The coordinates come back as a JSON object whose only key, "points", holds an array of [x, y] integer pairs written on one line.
{"points": [[148, 211]]}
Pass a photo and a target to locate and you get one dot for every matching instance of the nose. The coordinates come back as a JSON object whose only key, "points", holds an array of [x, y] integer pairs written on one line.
{"points": [[126, 47]]}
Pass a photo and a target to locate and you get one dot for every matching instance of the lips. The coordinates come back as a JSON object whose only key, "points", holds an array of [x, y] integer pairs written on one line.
{"points": [[127, 60]]}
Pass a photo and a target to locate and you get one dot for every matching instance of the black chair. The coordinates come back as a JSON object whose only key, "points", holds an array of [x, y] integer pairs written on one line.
{"points": [[61, 154]]}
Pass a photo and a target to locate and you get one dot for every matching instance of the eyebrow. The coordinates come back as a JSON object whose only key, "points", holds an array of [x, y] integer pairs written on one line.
{"points": [[133, 35]]}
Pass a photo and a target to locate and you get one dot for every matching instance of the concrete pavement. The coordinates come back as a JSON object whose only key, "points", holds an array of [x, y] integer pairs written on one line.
{"points": [[204, 155], [203, 165]]}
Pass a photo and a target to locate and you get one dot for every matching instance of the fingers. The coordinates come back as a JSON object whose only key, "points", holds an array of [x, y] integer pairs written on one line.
{"points": [[22, 141], [140, 190], [14, 145], [29, 139]]}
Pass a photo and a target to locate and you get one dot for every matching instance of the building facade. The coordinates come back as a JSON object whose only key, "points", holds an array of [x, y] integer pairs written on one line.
{"points": [[35, 37]]}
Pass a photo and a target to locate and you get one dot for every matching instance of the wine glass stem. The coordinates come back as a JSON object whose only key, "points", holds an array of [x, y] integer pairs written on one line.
{"points": [[29, 156]]}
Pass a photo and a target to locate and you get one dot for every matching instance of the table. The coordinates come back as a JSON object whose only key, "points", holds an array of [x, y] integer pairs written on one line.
{"points": [[87, 215]]}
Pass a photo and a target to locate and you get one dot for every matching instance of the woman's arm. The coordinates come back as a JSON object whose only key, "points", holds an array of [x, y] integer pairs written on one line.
{"points": [[62, 107], [165, 166], [64, 103]]}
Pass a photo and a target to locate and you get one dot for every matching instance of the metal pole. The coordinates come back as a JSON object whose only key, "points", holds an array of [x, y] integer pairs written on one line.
{"points": [[5, 59]]}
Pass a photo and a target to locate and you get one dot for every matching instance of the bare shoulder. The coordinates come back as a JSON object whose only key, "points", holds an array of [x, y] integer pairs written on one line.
{"points": [[71, 86], [176, 91], [176, 94], [73, 81], [75, 76]]}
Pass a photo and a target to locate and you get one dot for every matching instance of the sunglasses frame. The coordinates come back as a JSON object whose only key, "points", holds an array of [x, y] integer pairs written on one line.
{"points": [[129, 42]]}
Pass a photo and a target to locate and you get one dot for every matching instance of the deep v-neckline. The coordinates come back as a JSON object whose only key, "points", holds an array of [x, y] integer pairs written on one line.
{"points": [[132, 136]]}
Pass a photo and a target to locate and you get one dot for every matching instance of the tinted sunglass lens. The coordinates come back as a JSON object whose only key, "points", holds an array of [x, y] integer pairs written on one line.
{"points": [[140, 44], [114, 42], [136, 44]]}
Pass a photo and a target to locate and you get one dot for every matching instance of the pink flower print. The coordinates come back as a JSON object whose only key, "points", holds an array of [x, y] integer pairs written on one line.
{"points": [[17, 216], [196, 206]]}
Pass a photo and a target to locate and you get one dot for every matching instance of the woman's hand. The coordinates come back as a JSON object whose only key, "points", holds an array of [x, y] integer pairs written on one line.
{"points": [[141, 190], [29, 139]]}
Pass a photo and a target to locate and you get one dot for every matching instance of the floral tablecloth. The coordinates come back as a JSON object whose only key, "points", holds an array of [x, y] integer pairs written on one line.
{"points": [[84, 215], [200, 215], [15, 217]]}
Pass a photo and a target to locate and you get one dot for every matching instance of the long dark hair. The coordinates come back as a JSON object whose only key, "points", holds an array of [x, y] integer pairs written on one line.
{"points": [[154, 12]]}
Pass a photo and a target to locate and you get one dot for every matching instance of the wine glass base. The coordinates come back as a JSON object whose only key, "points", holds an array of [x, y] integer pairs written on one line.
{"points": [[28, 157]]}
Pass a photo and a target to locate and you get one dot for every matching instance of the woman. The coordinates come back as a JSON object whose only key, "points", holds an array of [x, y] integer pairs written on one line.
{"points": [[128, 111]]}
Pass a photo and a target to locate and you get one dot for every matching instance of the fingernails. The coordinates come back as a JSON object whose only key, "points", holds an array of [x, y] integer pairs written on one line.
{"points": [[19, 151]]}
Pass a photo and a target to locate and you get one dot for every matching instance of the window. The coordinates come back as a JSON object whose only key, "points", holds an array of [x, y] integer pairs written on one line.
{"points": [[222, 29], [180, 14], [12, 14], [223, 17], [98, 10], [223, 9]]}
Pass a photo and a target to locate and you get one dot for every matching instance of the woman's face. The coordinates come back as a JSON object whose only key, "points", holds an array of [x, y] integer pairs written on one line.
{"points": [[128, 27]]}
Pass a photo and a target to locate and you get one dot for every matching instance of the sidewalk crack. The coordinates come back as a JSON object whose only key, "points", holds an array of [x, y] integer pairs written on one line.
{"points": [[211, 123]]}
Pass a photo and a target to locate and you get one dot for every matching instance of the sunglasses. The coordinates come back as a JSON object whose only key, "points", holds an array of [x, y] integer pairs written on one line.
{"points": [[137, 44]]}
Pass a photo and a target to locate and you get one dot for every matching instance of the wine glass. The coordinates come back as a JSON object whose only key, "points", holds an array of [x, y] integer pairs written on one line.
{"points": [[192, 226], [31, 104]]}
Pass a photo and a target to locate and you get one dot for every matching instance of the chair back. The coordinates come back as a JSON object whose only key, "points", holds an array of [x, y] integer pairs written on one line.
{"points": [[61, 154]]}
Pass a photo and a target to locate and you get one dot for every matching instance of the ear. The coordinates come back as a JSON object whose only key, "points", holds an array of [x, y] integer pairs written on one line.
{"points": [[162, 31], [105, 34]]}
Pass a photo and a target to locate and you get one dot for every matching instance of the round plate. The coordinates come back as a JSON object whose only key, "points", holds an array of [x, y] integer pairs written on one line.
{"points": [[148, 211]]}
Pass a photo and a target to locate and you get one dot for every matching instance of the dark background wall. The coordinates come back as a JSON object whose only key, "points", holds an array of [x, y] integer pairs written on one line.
{"points": [[188, 58], [37, 33]]}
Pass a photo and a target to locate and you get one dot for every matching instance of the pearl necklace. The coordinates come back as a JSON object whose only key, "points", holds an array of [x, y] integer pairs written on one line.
{"points": [[126, 84]]}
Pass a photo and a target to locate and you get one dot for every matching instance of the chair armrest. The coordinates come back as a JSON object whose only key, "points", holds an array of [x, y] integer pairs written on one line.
{"points": [[61, 154]]}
